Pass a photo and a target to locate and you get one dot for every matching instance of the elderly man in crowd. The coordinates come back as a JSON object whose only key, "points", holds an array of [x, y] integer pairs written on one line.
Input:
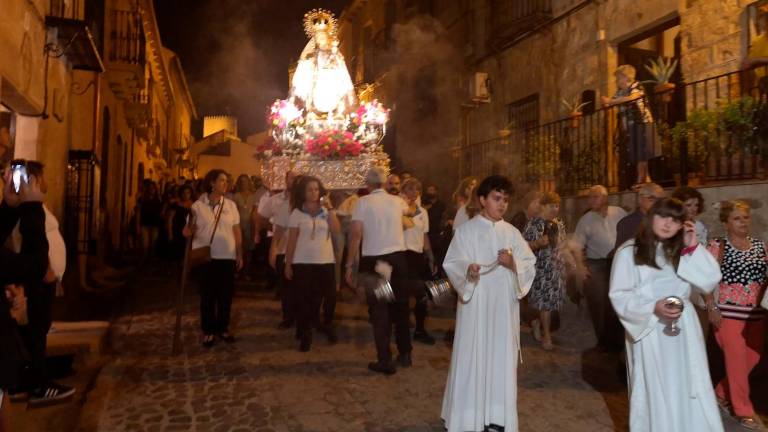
{"points": [[596, 232], [377, 222], [647, 196]]}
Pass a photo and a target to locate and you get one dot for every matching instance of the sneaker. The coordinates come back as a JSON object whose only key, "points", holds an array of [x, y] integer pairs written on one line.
{"points": [[227, 337], [382, 368], [405, 360], [209, 341], [18, 394], [52, 393], [330, 332], [423, 337]]}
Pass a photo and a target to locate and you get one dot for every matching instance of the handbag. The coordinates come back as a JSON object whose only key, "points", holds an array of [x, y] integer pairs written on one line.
{"points": [[202, 255]]}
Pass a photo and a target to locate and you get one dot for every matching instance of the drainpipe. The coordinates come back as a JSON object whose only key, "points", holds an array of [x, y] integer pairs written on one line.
{"points": [[82, 258]]}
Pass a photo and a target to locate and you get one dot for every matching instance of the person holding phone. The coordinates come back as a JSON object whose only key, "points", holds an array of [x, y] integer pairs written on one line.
{"points": [[27, 266], [669, 384]]}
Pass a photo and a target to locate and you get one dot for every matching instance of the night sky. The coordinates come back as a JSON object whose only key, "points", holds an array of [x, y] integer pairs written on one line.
{"points": [[236, 53]]}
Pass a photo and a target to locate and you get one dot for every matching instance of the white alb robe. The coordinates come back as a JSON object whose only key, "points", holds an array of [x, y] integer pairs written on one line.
{"points": [[670, 389], [482, 381]]}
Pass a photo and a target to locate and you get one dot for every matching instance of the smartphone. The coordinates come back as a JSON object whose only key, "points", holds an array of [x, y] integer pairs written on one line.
{"points": [[18, 174]]}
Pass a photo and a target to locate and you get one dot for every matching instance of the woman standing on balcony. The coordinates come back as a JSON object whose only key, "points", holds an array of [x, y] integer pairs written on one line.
{"points": [[735, 313], [635, 120]]}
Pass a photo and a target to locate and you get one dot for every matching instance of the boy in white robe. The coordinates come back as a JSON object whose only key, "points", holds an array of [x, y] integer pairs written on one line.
{"points": [[670, 389], [491, 267]]}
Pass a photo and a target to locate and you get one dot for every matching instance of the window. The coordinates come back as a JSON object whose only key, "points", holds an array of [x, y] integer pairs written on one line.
{"points": [[756, 20], [524, 113]]}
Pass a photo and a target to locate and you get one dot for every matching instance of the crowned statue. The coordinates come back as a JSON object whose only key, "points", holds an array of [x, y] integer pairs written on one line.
{"points": [[321, 129], [321, 80]]}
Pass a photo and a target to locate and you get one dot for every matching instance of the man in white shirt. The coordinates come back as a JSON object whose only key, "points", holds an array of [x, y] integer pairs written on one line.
{"points": [[377, 222], [273, 213], [596, 232]]}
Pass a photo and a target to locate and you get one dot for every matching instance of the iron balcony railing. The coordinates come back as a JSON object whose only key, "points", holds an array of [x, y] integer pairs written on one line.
{"points": [[715, 129], [128, 44]]}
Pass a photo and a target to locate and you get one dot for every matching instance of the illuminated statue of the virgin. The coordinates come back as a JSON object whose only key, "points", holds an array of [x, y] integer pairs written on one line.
{"points": [[321, 79]]}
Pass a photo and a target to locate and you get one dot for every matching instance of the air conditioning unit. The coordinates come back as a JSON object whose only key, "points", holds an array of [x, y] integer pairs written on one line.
{"points": [[480, 87]]}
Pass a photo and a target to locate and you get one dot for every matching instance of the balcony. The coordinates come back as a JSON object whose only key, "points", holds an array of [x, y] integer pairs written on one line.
{"points": [[510, 19], [74, 36], [126, 54], [709, 131], [138, 113]]}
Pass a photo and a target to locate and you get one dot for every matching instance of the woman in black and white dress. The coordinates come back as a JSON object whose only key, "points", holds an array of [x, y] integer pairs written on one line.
{"points": [[309, 258]]}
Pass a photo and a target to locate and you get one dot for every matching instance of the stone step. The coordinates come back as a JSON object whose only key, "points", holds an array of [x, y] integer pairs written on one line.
{"points": [[84, 339]]}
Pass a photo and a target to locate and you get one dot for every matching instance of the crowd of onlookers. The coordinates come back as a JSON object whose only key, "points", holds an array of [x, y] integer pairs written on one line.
{"points": [[307, 241]]}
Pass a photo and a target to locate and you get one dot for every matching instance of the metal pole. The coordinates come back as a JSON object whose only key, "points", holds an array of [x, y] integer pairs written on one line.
{"points": [[180, 301]]}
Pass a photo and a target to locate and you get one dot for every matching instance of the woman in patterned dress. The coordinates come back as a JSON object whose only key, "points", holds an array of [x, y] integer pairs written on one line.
{"points": [[735, 313], [546, 234]]}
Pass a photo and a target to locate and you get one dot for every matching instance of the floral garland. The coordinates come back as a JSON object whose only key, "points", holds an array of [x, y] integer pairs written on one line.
{"points": [[334, 143], [297, 133]]}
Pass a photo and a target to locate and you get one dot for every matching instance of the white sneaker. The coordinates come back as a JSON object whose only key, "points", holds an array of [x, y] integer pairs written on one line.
{"points": [[536, 327]]}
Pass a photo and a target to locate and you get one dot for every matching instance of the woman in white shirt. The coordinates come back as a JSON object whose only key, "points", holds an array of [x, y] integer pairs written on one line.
{"points": [[418, 255], [309, 258], [462, 198], [217, 277]]}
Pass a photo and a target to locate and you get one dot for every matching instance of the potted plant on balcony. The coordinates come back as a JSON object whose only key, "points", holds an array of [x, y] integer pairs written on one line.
{"points": [[542, 160], [574, 107], [738, 121], [701, 133], [662, 70]]}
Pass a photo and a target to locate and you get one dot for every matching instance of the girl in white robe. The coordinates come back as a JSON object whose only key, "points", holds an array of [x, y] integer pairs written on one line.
{"points": [[481, 389], [670, 389]]}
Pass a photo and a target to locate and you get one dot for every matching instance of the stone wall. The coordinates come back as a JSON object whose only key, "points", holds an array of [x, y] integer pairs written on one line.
{"points": [[713, 38]]}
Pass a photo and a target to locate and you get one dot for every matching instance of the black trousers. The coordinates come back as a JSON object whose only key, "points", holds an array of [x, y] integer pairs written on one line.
{"points": [[384, 314], [314, 283], [286, 290], [416, 277], [217, 286], [608, 329], [35, 333]]}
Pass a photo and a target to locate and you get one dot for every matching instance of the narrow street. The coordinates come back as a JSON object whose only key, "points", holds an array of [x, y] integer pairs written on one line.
{"points": [[262, 382]]}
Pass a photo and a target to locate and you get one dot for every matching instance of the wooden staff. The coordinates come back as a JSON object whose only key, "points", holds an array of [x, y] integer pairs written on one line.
{"points": [[180, 301]]}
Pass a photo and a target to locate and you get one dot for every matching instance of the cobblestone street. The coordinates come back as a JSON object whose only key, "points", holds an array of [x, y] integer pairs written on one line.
{"points": [[262, 383]]}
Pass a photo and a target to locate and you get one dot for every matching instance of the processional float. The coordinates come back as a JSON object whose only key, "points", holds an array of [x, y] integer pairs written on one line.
{"points": [[321, 129]]}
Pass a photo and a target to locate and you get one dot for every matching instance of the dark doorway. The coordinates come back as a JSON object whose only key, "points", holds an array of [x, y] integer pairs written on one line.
{"points": [[662, 41], [105, 144]]}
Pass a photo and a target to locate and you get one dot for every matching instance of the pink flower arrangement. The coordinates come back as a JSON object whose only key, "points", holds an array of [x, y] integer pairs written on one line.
{"points": [[369, 113], [283, 113], [334, 143], [268, 148]]}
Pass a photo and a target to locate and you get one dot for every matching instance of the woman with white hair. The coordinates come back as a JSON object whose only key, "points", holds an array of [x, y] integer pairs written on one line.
{"points": [[635, 120]]}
